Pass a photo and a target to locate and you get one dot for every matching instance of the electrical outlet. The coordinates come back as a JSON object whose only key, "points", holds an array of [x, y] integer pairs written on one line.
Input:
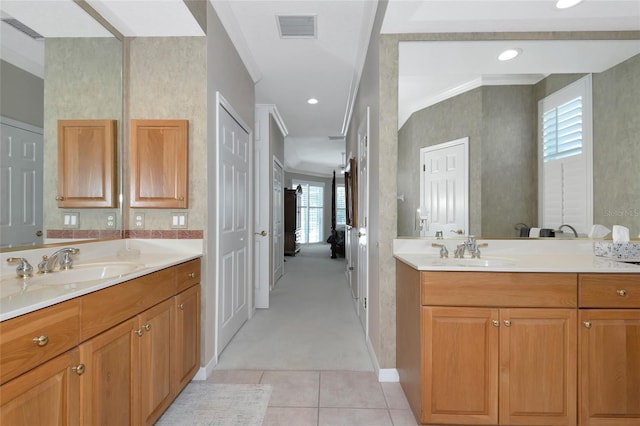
{"points": [[138, 221], [70, 220], [178, 221], [110, 220]]}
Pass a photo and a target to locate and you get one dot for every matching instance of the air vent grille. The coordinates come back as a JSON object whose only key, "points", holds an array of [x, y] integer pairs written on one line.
{"points": [[23, 28], [298, 26]]}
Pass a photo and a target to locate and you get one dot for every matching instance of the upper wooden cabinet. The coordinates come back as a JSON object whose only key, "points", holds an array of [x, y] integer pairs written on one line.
{"points": [[159, 161], [87, 163]]}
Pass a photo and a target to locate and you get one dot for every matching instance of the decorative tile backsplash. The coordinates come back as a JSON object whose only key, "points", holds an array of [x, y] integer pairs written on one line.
{"points": [[630, 250], [173, 234]]}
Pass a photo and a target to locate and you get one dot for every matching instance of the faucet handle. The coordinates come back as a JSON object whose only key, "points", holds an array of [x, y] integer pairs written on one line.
{"points": [[443, 249], [24, 269]]}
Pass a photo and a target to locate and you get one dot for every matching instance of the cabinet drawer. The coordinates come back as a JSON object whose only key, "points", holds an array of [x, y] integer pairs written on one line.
{"points": [[542, 290], [105, 308], [188, 274], [609, 290], [57, 327]]}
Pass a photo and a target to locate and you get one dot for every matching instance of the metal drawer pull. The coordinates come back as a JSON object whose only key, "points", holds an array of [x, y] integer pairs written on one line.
{"points": [[587, 324], [496, 323], [507, 323], [79, 369], [42, 340], [147, 326], [621, 292], [181, 306], [139, 331], [191, 274]]}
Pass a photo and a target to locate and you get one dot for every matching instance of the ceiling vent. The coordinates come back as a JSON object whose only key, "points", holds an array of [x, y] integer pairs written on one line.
{"points": [[23, 28], [298, 26]]}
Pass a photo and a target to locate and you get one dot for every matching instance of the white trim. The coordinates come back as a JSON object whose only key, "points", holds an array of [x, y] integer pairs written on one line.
{"points": [[273, 110], [384, 374], [204, 372], [21, 125]]}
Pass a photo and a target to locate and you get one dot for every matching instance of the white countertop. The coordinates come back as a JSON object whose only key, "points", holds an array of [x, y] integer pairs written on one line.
{"points": [[20, 296], [526, 255]]}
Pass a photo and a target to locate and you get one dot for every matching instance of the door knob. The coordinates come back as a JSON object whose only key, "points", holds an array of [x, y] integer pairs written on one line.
{"points": [[263, 233], [38, 233]]}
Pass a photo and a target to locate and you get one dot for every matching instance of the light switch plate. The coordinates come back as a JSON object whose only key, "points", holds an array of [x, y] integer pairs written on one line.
{"points": [[70, 220], [178, 220], [138, 220]]}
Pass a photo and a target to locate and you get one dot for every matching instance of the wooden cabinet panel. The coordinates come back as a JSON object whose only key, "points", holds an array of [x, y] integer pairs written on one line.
{"points": [[87, 163], [187, 344], [609, 290], [156, 344], [107, 396], [46, 395], [538, 378], [57, 329], [460, 365], [609, 367], [159, 164], [502, 289]]}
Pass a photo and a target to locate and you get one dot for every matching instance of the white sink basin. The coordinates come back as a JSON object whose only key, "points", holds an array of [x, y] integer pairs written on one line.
{"points": [[86, 272], [493, 262]]}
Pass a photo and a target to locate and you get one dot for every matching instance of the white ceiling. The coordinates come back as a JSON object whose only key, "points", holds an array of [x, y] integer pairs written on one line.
{"points": [[328, 67]]}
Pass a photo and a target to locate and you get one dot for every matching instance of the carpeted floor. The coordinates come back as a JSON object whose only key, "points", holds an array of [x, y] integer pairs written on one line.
{"points": [[202, 403], [311, 324]]}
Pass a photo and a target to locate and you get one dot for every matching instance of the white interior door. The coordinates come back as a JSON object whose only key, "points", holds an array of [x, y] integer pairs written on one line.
{"points": [[234, 251], [278, 221], [363, 221], [444, 191], [261, 214], [20, 184]]}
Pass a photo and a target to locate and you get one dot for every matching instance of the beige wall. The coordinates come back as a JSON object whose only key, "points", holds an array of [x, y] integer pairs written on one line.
{"points": [[83, 80]]}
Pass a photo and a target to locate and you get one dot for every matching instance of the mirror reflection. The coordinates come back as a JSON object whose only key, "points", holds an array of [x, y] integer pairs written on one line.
{"points": [[450, 91], [58, 63]]}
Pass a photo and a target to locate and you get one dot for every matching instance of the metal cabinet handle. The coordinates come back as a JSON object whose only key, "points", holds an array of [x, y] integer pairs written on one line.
{"points": [[79, 369], [496, 323], [507, 323], [191, 274], [147, 326], [587, 324], [621, 292], [59, 198], [139, 331], [181, 306], [41, 340]]}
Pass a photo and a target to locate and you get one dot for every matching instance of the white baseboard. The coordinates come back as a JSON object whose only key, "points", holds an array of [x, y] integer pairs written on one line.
{"points": [[384, 374], [205, 371]]}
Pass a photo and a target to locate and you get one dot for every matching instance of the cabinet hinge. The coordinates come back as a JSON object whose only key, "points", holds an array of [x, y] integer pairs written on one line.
{"points": [[424, 168], [365, 303]]}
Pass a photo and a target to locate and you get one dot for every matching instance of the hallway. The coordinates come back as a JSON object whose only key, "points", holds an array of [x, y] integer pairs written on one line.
{"points": [[311, 324]]}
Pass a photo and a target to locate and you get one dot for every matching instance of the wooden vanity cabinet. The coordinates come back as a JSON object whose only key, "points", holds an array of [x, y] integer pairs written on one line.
{"points": [[482, 349], [48, 394], [609, 362], [87, 176], [187, 338], [159, 164]]}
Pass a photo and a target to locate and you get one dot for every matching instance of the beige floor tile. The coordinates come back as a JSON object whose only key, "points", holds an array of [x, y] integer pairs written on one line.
{"points": [[350, 389], [292, 388], [289, 416], [354, 417], [238, 377], [394, 395], [403, 418]]}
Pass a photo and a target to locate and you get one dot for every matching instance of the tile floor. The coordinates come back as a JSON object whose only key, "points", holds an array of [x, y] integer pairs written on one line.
{"points": [[326, 398]]}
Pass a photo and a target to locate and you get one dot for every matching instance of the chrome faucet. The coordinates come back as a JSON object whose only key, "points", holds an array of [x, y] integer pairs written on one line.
{"points": [[444, 253], [472, 246], [559, 230], [24, 269], [62, 257]]}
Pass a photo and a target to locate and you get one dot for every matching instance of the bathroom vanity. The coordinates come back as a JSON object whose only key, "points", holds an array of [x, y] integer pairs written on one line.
{"points": [[543, 333], [114, 350]]}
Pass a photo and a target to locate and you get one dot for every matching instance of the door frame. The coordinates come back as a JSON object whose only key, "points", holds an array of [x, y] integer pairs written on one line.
{"points": [[280, 253], [363, 221], [221, 102], [423, 151]]}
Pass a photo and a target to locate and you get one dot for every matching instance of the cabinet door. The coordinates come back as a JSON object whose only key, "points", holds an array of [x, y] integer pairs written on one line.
{"points": [[159, 163], [538, 351], [87, 163], [187, 345], [609, 367], [155, 360], [46, 395], [460, 365], [110, 375]]}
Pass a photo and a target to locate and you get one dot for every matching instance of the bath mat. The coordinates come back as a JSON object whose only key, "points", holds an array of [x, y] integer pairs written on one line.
{"points": [[211, 404]]}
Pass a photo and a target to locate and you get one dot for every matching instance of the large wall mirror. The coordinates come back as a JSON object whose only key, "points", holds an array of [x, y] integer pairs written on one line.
{"points": [[58, 63], [457, 89]]}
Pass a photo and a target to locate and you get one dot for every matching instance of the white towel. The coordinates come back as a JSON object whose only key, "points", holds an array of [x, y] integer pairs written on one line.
{"points": [[599, 231], [534, 233], [620, 234]]}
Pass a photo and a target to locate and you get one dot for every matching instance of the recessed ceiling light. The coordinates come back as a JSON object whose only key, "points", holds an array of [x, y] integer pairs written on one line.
{"points": [[312, 101], [509, 54], [565, 4]]}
